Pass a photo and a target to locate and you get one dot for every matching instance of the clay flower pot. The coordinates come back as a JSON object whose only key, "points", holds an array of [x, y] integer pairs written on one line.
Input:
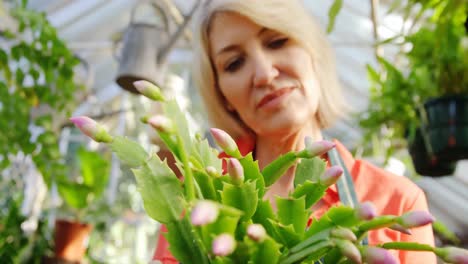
{"points": [[71, 240]]}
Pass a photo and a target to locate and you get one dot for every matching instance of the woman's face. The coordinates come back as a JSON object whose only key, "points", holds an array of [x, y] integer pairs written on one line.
{"points": [[265, 76]]}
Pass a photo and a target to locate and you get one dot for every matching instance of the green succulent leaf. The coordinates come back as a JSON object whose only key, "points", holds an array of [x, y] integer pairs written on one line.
{"points": [[267, 251], [243, 197], [184, 244], [129, 151], [175, 114], [286, 235], [312, 191], [205, 182], [206, 155], [291, 211], [160, 189], [309, 170], [273, 171], [252, 173]]}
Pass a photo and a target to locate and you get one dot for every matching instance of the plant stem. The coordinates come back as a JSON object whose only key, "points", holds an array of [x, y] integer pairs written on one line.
{"points": [[407, 246], [378, 222], [188, 176], [311, 240], [318, 247]]}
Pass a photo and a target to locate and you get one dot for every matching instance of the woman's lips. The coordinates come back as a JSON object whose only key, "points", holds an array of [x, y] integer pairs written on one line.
{"points": [[272, 96]]}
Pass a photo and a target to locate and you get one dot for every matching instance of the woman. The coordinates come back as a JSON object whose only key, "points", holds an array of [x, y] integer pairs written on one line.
{"points": [[266, 73]]}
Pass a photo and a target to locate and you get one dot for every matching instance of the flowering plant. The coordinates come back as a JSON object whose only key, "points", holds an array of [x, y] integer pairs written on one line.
{"points": [[213, 217]]}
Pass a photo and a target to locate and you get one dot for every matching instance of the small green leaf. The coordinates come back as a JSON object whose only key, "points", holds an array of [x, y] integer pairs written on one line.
{"points": [[128, 151], [206, 155], [264, 211], [312, 191], [273, 171], [285, 234], [252, 172], [343, 216], [267, 251], [184, 244], [74, 194], [3, 59], [160, 189], [291, 211], [332, 13], [19, 76], [206, 184], [173, 112], [309, 169], [333, 256], [94, 170], [243, 197]]}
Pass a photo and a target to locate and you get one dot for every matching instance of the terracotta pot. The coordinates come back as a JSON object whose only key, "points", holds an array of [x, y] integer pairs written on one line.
{"points": [[71, 240]]}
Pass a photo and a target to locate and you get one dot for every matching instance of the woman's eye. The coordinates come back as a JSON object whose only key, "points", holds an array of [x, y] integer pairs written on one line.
{"points": [[277, 43], [234, 65]]}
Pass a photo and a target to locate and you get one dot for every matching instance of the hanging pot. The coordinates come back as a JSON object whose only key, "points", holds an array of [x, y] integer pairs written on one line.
{"points": [[425, 164], [446, 125], [71, 240], [145, 50]]}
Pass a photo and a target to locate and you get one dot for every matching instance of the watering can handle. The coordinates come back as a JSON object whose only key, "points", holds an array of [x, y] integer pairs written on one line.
{"points": [[157, 7], [173, 39]]}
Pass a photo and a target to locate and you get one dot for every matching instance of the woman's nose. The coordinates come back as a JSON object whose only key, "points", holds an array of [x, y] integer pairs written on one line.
{"points": [[265, 70]]}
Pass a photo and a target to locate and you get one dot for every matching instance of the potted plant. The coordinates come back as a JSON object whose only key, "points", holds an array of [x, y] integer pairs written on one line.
{"points": [[423, 104], [223, 218], [79, 194]]}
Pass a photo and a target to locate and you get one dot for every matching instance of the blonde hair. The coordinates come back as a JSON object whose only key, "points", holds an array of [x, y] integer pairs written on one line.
{"points": [[288, 17]]}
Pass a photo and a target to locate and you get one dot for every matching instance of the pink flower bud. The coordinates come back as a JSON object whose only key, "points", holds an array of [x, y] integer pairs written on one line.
{"points": [[223, 245], [225, 142], [256, 232], [91, 128], [331, 175], [401, 229], [415, 219], [366, 211], [453, 255], [343, 233], [204, 212], [212, 171], [318, 148], [376, 255], [161, 123], [149, 90], [235, 170], [349, 250]]}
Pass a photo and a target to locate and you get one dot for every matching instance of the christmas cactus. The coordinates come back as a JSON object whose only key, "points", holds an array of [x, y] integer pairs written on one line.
{"points": [[216, 217]]}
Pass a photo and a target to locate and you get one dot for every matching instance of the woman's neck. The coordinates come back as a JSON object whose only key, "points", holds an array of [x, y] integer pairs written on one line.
{"points": [[269, 148]]}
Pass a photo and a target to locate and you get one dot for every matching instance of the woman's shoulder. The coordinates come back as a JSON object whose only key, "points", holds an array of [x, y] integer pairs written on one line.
{"points": [[394, 192]]}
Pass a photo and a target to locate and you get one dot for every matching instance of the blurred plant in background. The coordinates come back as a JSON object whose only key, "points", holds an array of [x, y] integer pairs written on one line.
{"points": [[37, 89], [432, 63]]}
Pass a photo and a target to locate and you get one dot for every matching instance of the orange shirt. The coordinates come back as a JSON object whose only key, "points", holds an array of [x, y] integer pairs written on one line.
{"points": [[391, 195]]}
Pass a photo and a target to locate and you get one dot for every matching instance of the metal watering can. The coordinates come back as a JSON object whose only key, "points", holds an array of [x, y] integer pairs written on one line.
{"points": [[145, 50]]}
